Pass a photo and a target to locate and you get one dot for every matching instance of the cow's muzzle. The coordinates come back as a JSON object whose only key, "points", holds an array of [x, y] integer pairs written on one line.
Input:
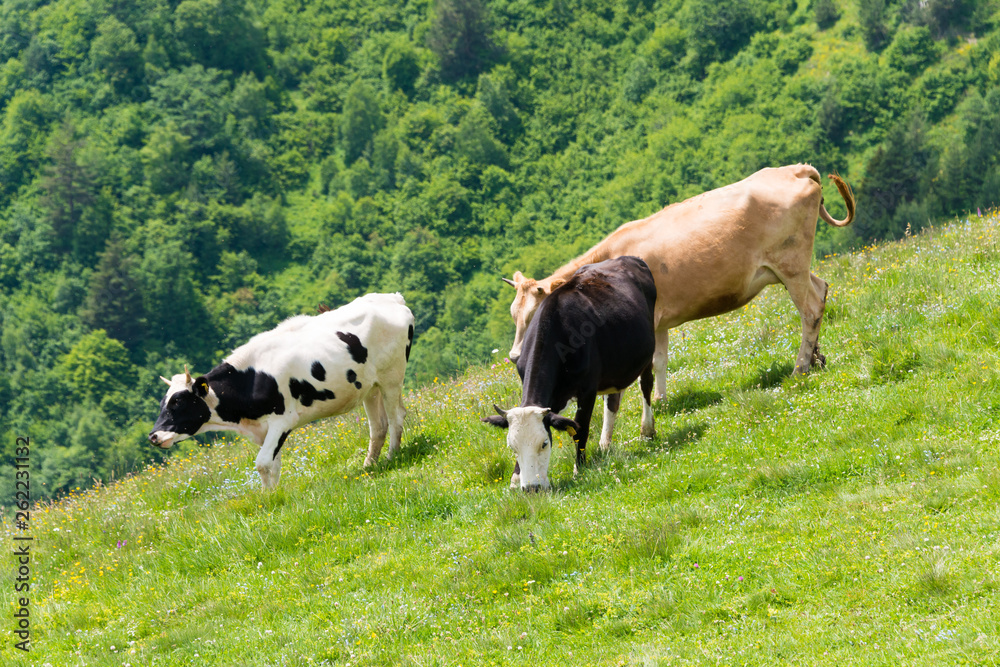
{"points": [[535, 488], [157, 440]]}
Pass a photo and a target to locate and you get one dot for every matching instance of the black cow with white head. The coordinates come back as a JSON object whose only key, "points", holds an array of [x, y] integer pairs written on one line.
{"points": [[305, 369], [592, 335]]}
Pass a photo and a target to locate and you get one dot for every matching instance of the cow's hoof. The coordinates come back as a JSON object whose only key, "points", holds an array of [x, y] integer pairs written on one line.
{"points": [[648, 433]]}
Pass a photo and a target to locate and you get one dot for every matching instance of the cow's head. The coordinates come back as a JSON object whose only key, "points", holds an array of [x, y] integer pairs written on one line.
{"points": [[529, 435], [529, 295], [183, 411]]}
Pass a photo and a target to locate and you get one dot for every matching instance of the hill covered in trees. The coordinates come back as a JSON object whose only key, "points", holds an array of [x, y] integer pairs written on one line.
{"points": [[176, 176]]}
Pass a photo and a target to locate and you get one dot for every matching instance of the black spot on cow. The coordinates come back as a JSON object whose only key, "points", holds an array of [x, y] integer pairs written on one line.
{"points": [[305, 393], [245, 394], [281, 443], [409, 342], [353, 377], [358, 351], [318, 371]]}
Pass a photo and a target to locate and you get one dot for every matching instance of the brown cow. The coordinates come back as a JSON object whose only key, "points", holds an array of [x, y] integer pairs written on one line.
{"points": [[712, 253]]}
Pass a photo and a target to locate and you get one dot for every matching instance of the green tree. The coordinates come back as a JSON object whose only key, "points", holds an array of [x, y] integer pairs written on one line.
{"points": [[174, 306], [95, 366], [912, 50], [114, 296], [461, 37], [826, 13], [895, 175], [195, 102], [492, 93], [220, 34], [638, 80], [116, 56], [360, 121], [69, 184], [22, 139], [401, 66], [166, 160], [717, 30], [873, 16], [475, 142]]}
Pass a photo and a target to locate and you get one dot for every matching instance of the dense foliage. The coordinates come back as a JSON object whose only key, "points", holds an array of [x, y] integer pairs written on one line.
{"points": [[176, 176]]}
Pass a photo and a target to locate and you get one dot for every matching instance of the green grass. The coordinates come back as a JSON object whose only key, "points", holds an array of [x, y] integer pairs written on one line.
{"points": [[847, 517]]}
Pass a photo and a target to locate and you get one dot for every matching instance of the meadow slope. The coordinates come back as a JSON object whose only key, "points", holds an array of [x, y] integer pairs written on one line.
{"points": [[849, 517]]}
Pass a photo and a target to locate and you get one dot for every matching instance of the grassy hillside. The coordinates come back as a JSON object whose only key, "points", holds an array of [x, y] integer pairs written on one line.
{"points": [[849, 517]]}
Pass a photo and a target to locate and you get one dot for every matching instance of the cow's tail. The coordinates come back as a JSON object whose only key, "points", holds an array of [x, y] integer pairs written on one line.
{"points": [[849, 201]]}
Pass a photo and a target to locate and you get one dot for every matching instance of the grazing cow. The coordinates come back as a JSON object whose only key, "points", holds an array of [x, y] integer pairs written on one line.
{"points": [[715, 252], [307, 368], [593, 335]]}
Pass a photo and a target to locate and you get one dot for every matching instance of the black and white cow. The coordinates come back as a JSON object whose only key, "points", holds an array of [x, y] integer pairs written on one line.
{"points": [[593, 335], [307, 368]]}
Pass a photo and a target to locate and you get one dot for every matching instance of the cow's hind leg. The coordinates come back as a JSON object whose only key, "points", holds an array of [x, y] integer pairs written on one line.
{"points": [[611, 404], [809, 296], [392, 398], [647, 430], [660, 364], [378, 425]]}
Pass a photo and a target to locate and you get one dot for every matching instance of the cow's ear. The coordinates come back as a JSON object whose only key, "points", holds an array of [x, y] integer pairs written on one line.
{"points": [[556, 284], [496, 420], [561, 423], [200, 387]]}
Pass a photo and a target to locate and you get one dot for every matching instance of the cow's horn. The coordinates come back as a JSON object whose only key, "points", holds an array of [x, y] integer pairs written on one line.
{"points": [[508, 281], [501, 412], [165, 380], [187, 375]]}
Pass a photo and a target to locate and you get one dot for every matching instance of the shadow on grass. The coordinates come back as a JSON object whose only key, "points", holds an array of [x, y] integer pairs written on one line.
{"points": [[684, 436], [688, 400], [411, 450], [770, 377], [598, 470]]}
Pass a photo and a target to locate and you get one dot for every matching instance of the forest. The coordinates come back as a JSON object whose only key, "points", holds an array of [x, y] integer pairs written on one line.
{"points": [[177, 176]]}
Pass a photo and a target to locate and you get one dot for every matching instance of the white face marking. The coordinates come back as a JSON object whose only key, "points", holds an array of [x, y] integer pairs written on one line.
{"points": [[530, 440]]}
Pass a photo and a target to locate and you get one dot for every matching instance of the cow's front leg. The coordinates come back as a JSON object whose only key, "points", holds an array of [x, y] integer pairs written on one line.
{"points": [[611, 404], [647, 430], [584, 411], [268, 461]]}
